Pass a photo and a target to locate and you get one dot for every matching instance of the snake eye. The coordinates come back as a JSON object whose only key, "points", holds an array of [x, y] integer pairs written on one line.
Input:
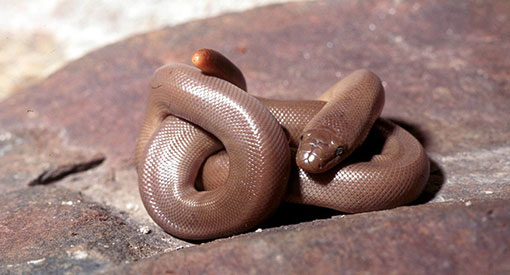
{"points": [[339, 151], [301, 137]]}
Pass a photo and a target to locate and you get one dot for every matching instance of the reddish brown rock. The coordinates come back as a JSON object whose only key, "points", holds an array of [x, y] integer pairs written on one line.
{"points": [[448, 238], [33, 156], [443, 64], [45, 229]]}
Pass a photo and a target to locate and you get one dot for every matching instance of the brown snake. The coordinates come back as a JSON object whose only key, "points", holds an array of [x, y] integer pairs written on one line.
{"points": [[194, 189]]}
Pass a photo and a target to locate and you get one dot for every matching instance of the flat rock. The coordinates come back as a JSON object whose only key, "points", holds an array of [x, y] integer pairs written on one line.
{"points": [[445, 68], [436, 239], [45, 229], [35, 156]]}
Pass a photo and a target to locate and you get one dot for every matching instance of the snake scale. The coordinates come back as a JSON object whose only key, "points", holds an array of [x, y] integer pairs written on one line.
{"points": [[214, 161]]}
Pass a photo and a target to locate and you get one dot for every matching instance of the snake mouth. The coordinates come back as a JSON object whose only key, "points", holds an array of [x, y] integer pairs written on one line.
{"points": [[312, 162], [319, 151]]}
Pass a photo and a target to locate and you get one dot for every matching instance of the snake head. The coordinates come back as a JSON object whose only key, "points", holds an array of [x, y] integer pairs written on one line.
{"points": [[320, 150]]}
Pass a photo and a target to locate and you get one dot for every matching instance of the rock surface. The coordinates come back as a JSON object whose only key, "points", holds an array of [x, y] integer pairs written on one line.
{"points": [[40, 37], [437, 239], [445, 68], [53, 230]]}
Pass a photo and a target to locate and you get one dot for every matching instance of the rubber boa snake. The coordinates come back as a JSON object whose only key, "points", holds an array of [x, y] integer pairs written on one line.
{"points": [[213, 161]]}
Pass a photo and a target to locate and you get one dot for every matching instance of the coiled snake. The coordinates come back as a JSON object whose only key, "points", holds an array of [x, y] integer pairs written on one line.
{"points": [[214, 161]]}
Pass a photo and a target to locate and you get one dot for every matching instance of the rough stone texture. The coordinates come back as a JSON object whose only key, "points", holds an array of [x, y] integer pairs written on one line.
{"points": [[445, 66], [40, 156], [46, 229], [42, 36], [437, 239]]}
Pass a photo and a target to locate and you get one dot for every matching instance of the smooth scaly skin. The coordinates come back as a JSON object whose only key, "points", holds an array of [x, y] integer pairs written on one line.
{"points": [[336, 130], [251, 135], [392, 174], [389, 169]]}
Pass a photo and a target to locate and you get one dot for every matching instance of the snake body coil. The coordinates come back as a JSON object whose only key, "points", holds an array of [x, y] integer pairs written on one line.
{"points": [[192, 116]]}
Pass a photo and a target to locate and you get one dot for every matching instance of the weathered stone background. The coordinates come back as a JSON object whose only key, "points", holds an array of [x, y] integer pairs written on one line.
{"points": [[39, 37], [70, 201]]}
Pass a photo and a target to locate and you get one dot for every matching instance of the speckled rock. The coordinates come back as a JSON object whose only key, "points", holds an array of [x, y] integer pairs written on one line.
{"points": [[445, 69], [35, 155], [45, 229], [436, 239], [438, 61]]}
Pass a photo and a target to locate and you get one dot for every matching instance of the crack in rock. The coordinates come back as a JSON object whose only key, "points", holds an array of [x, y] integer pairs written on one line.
{"points": [[58, 172]]}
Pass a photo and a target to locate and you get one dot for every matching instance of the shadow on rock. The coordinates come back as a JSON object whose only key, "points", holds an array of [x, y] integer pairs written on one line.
{"points": [[415, 130], [291, 213]]}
